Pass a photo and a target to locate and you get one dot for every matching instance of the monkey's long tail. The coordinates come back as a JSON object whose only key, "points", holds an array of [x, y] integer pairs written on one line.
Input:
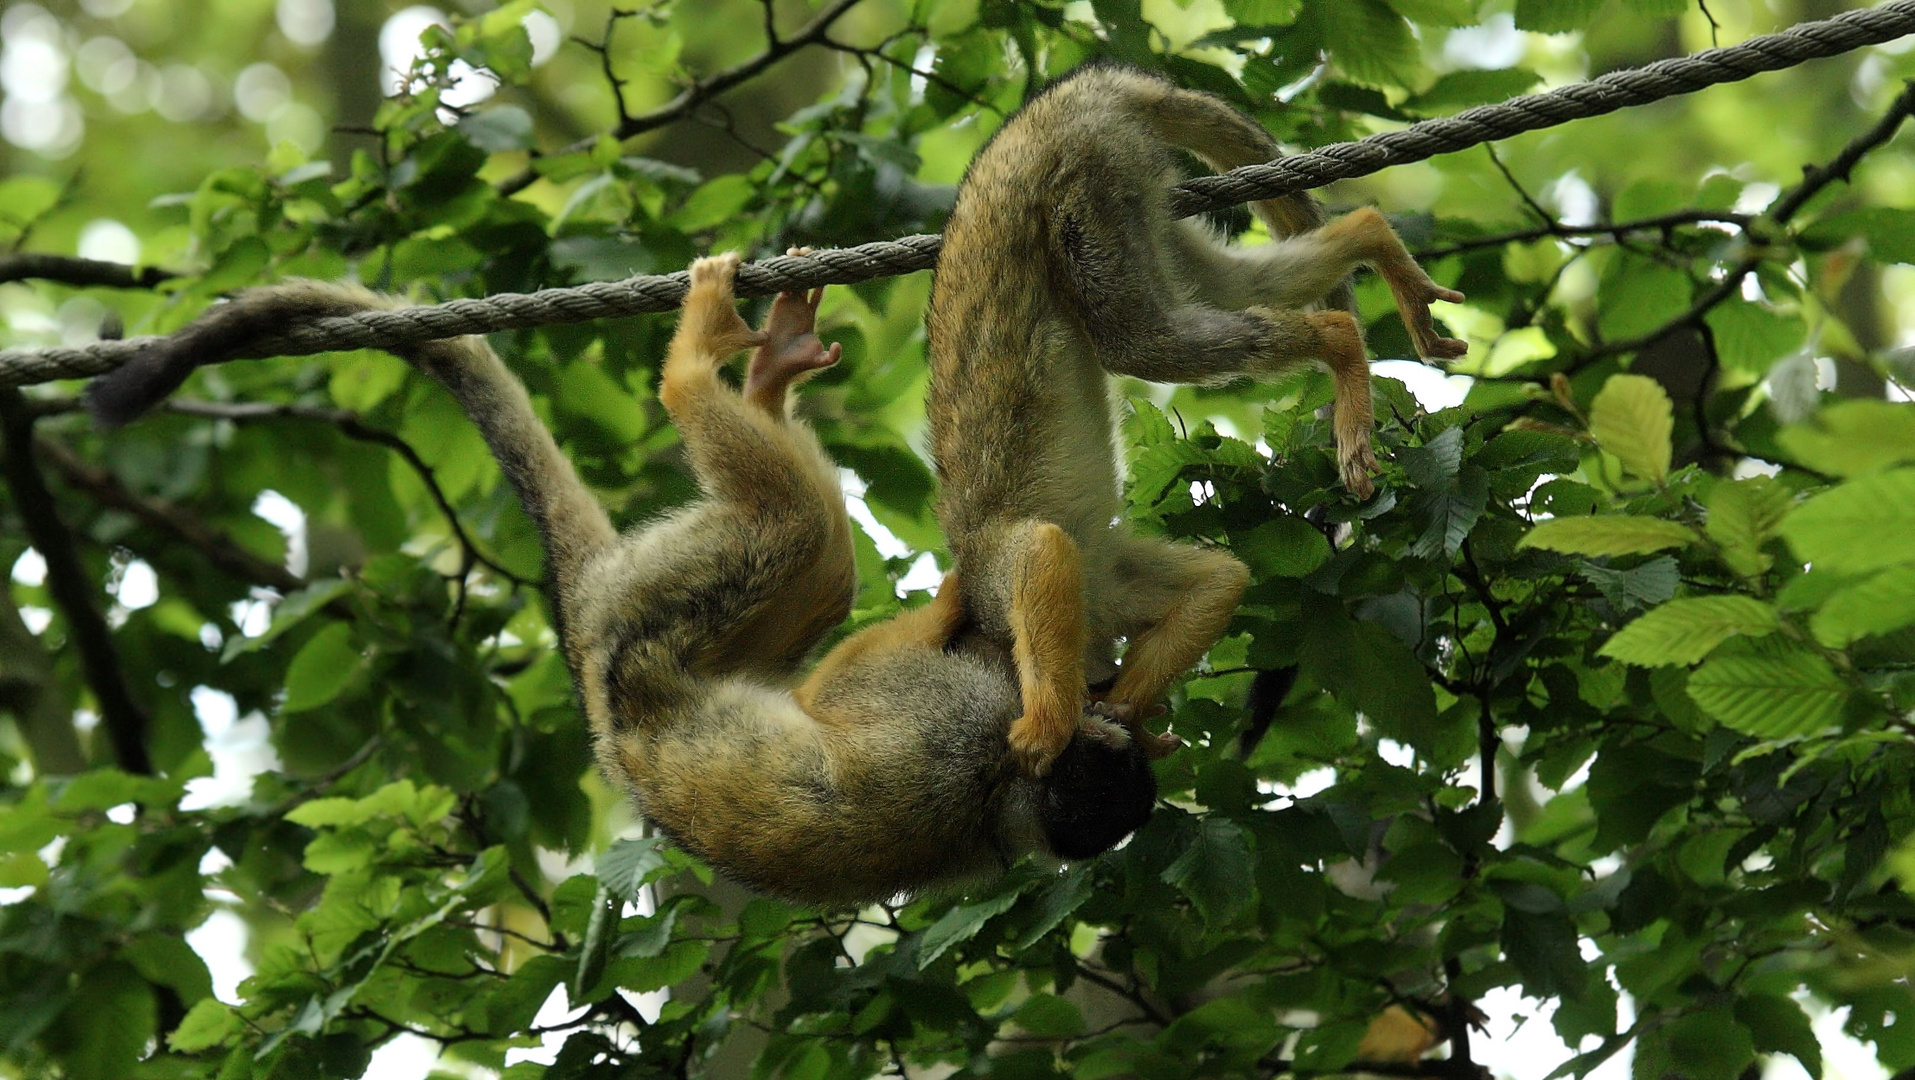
{"points": [[570, 521], [1226, 139]]}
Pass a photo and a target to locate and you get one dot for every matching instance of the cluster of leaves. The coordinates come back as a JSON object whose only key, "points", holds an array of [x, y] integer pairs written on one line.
{"points": [[1565, 707]]}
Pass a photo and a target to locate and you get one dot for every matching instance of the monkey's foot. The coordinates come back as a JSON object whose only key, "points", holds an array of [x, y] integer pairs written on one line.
{"points": [[791, 348], [1132, 719], [1357, 462], [1414, 292], [1036, 741], [709, 311]]}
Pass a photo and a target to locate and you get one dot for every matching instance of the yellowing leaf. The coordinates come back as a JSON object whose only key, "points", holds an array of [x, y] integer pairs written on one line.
{"points": [[1685, 631], [1865, 524], [1850, 438], [1612, 534], [1631, 418], [1744, 514], [1770, 694], [1877, 605]]}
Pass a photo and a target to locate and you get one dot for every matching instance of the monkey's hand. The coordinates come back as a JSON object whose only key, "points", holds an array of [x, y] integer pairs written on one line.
{"points": [[1132, 719], [1414, 291], [791, 348], [710, 314]]}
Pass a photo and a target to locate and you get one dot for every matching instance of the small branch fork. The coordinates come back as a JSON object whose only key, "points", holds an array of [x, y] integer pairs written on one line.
{"points": [[697, 93]]}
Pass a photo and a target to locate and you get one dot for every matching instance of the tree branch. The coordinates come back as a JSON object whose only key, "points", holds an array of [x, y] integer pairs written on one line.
{"points": [[125, 722], [351, 426], [161, 515], [68, 270], [718, 82], [1662, 223], [1814, 179], [702, 90]]}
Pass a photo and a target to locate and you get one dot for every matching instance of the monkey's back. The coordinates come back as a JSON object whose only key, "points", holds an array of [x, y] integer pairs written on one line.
{"points": [[901, 787], [1019, 407]]}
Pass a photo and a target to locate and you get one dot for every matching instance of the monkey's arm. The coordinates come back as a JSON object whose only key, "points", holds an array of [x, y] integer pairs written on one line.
{"points": [[1047, 642], [929, 627]]}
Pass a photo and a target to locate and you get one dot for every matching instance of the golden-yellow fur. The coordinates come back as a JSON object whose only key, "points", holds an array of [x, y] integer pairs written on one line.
{"points": [[884, 773], [1060, 265]]}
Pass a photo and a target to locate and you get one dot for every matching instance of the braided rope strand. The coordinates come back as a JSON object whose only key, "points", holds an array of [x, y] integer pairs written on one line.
{"points": [[886, 258]]}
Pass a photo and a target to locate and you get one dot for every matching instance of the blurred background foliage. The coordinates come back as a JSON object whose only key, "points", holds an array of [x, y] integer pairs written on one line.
{"points": [[1583, 748]]}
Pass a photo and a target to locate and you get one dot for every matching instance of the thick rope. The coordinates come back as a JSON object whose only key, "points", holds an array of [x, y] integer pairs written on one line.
{"points": [[843, 266]]}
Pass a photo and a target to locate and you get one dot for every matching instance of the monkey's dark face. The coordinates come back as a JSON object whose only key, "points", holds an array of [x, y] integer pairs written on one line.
{"points": [[1094, 797]]}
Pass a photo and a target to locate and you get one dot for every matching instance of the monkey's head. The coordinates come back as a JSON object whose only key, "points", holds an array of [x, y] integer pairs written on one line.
{"points": [[1095, 795]]}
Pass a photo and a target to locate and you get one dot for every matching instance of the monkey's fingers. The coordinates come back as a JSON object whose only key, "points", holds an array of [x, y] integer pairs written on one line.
{"points": [[1356, 464]]}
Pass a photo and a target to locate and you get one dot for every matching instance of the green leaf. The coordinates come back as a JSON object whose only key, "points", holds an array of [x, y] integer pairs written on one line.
{"points": [[961, 923], [399, 800], [1463, 89], [1433, 465], [1643, 586], [1777, 1025], [1437, 12], [1890, 232], [1639, 295], [628, 865], [1543, 948], [322, 669], [1613, 534], [1263, 12], [1371, 43], [1631, 418], [1049, 1016], [1370, 670], [1772, 693], [1849, 438], [1865, 524], [601, 932], [1877, 605], [714, 204], [209, 1023], [585, 390], [103, 789], [1452, 514], [1216, 871], [1555, 16], [1743, 515], [1284, 546], [1685, 631], [1709, 1045], [1750, 337]]}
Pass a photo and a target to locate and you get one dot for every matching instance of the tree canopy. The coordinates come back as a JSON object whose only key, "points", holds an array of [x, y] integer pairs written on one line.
{"points": [[1602, 703]]}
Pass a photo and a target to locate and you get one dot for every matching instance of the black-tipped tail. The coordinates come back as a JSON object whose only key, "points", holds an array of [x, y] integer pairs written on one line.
{"points": [[121, 396]]}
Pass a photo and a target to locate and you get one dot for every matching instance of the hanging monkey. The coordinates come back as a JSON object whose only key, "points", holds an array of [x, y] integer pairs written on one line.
{"points": [[1061, 265], [886, 772]]}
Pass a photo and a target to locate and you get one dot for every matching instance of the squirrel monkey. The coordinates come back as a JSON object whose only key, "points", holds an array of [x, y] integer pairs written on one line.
{"points": [[886, 771], [1061, 263]]}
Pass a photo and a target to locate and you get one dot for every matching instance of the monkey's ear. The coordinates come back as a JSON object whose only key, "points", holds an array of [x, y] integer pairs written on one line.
{"points": [[1095, 796]]}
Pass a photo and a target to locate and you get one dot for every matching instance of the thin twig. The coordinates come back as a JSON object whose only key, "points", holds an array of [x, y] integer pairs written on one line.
{"points": [[350, 425], [161, 515], [702, 90], [80, 273]]}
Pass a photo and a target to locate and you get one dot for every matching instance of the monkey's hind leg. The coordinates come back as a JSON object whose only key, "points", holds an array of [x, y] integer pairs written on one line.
{"points": [[1047, 639], [791, 350], [1173, 601]]}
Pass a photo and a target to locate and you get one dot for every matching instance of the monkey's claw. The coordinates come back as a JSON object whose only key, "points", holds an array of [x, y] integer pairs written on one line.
{"points": [[1035, 744], [1358, 464]]}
